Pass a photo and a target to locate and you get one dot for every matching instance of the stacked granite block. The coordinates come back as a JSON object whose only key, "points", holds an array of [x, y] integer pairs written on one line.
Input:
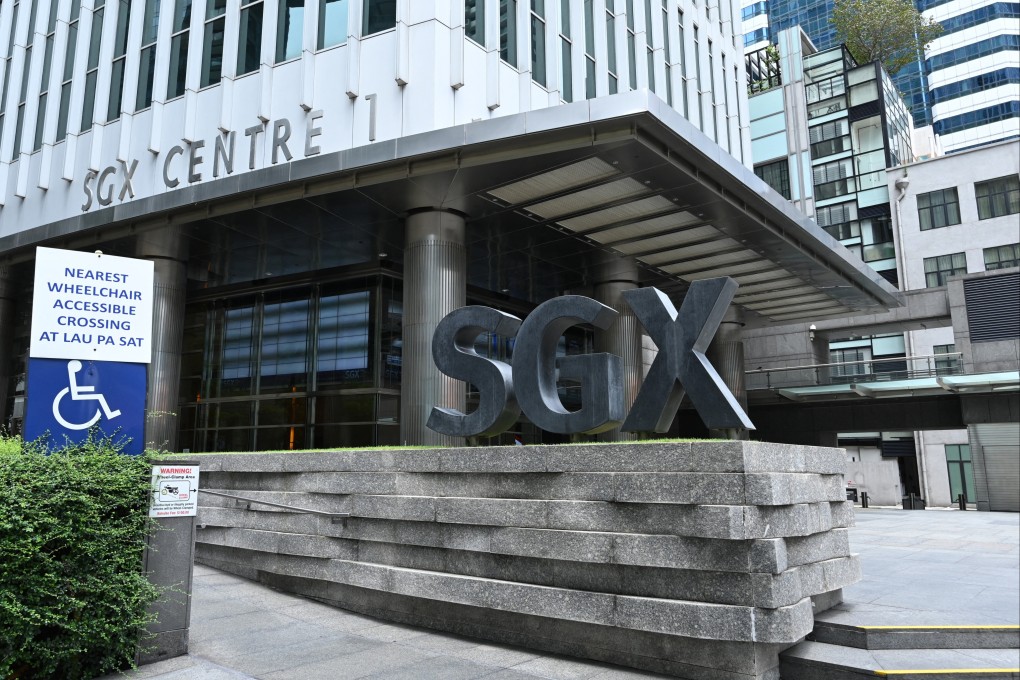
{"points": [[701, 560]]}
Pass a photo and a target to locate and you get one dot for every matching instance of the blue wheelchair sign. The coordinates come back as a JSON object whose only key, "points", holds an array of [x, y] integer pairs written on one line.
{"points": [[68, 397]]}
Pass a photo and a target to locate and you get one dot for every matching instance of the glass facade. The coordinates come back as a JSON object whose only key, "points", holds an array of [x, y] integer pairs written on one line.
{"points": [[308, 366]]}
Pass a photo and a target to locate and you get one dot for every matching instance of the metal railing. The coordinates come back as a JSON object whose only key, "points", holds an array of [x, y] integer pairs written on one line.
{"points": [[866, 370], [334, 517]]}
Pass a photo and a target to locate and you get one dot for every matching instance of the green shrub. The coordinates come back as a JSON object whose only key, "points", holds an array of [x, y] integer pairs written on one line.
{"points": [[73, 525]]}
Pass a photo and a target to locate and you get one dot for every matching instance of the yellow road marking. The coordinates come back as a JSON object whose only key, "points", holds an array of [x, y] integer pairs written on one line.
{"points": [[939, 627], [949, 671]]}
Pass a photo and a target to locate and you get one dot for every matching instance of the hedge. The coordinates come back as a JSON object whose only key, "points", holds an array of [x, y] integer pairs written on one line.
{"points": [[73, 526]]}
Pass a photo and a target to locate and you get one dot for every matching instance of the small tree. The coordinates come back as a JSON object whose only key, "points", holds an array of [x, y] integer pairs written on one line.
{"points": [[890, 31]]}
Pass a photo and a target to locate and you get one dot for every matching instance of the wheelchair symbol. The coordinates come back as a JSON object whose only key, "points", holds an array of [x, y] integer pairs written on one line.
{"points": [[81, 393]]}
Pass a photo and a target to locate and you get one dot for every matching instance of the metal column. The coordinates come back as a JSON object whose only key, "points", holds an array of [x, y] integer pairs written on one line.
{"points": [[726, 352], [435, 283], [168, 249], [7, 302], [616, 275]]}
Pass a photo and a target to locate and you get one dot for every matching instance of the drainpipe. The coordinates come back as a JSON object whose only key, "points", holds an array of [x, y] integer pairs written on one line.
{"points": [[901, 261], [902, 183]]}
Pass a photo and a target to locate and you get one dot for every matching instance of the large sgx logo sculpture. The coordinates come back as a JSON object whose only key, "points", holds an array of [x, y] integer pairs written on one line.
{"points": [[529, 385]]}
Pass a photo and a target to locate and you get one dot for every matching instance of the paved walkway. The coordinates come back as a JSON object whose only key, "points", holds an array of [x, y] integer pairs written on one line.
{"points": [[935, 566]]}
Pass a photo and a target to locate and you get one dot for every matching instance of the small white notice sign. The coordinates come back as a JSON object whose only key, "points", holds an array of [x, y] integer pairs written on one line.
{"points": [[91, 306], [174, 491]]}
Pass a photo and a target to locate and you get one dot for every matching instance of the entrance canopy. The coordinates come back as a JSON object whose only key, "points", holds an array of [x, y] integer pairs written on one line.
{"points": [[624, 174]]}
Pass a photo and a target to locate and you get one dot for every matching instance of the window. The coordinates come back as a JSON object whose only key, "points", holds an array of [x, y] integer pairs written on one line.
{"points": [[998, 197], [947, 361], [249, 42], [938, 269], [147, 63], [698, 80], [40, 120], [631, 45], [119, 60], [833, 179], [508, 31], [973, 119], [380, 15], [649, 46], [666, 52], [829, 138], [961, 472], [776, 175], [212, 52], [960, 55], [23, 99], [333, 23], [1002, 257], [683, 64], [836, 214], [288, 29], [8, 58], [566, 45], [712, 89], [65, 83], [538, 41], [937, 209], [753, 10], [978, 83], [177, 82], [851, 363], [474, 21], [589, 48]]}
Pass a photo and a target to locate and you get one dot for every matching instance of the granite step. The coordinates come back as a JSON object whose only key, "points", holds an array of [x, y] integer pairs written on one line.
{"points": [[917, 636], [821, 661]]}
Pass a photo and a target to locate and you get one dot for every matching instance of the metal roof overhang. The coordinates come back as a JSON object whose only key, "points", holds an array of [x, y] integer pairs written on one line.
{"points": [[624, 174], [1008, 381]]}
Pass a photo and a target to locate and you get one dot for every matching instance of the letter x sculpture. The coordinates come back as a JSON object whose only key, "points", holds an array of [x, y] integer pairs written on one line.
{"points": [[681, 365]]}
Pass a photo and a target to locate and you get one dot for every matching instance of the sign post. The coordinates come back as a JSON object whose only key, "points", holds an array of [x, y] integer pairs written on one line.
{"points": [[91, 338]]}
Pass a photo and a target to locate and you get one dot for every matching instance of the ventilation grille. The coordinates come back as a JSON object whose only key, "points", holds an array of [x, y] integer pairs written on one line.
{"points": [[993, 307]]}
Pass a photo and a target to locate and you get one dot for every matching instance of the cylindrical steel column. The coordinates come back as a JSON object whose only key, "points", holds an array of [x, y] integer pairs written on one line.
{"points": [[726, 352], [614, 276], [168, 249], [7, 299], [435, 284]]}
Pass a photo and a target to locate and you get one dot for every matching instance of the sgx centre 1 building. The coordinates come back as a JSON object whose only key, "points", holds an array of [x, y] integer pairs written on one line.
{"points": [[320, 181]]}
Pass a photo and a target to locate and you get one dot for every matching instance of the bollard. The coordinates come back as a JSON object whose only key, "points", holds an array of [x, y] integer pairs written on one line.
{"points": [[864, 499], [962, 501]]}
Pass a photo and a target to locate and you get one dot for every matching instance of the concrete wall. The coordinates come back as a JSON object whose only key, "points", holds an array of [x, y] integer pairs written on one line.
{"points": [[879, 477], [698, 560]]}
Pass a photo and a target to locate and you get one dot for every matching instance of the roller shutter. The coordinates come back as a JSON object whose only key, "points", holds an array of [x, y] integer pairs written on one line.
{"points": [[1000, 453]]}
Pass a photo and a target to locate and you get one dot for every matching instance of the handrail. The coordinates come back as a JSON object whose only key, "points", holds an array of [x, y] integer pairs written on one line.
{"points": [[332, 515], [879, 360]]}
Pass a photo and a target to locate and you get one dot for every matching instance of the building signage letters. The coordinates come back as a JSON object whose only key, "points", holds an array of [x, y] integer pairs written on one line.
{"points": [[529, 384], [179, 164]]}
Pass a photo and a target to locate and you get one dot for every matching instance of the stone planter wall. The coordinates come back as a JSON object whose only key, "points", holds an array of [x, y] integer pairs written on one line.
{"points": [[698, 560]]}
